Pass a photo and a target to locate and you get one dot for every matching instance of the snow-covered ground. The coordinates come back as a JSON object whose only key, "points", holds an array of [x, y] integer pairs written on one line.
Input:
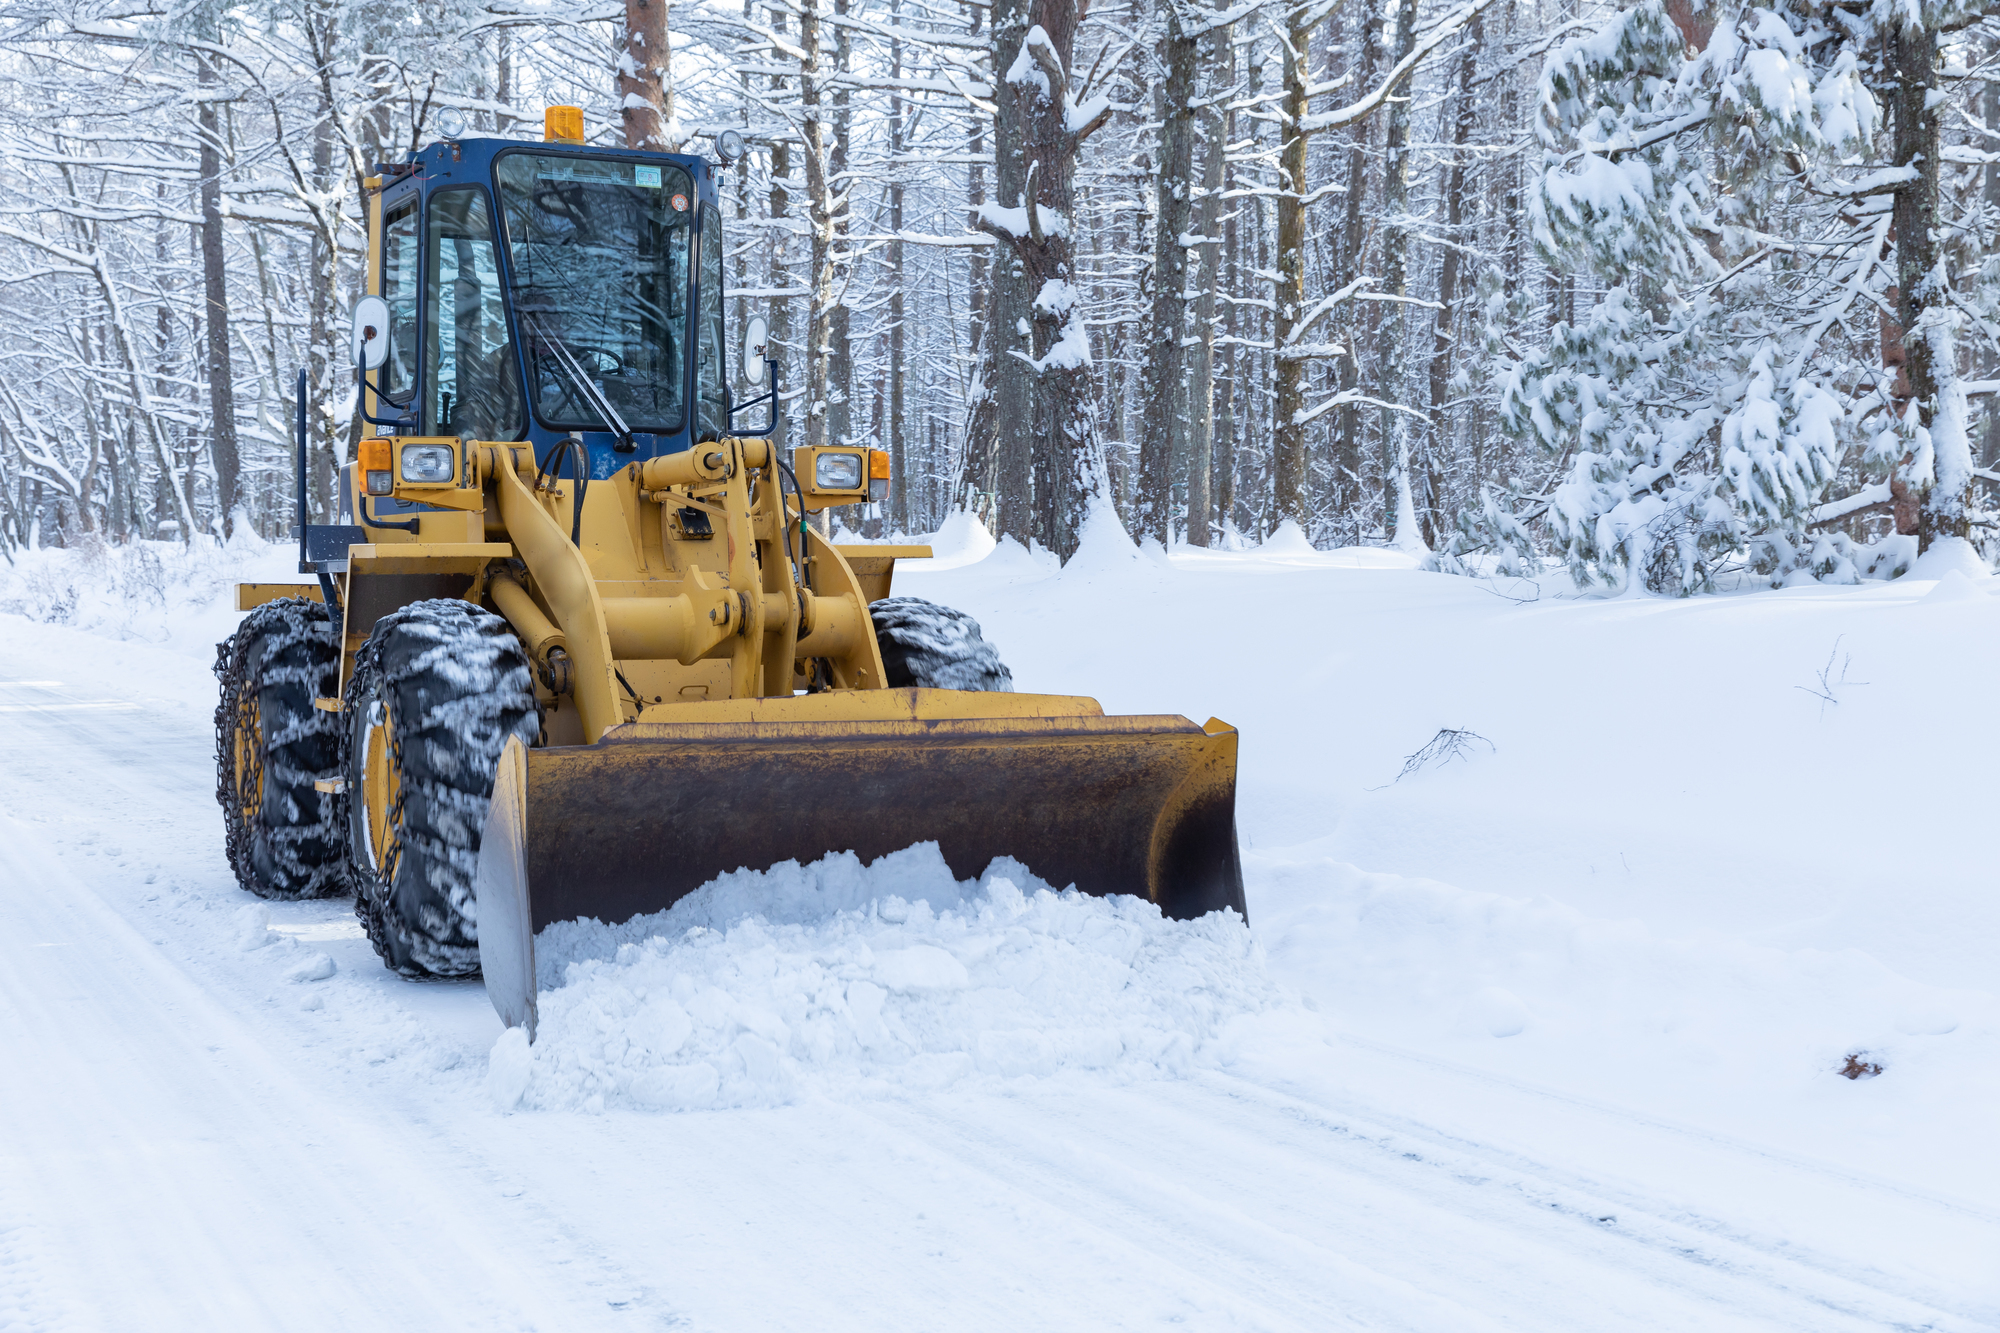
{"points": [[1541, 1034]]}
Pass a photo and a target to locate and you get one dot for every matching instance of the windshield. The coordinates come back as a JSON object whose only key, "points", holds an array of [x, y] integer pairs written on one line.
{"points": [[599, 251]]}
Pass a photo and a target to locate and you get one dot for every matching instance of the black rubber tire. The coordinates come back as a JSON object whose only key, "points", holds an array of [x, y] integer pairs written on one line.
{"points": [[933, 647], [283, 834], [452, 683]]}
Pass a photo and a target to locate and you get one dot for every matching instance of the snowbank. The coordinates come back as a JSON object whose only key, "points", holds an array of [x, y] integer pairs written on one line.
{"points": [[835, 977], [178, 597], [1700, 1027], [1428, 962], [961, 540]]}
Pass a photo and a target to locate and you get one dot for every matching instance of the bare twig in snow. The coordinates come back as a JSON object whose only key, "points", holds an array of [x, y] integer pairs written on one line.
{"points": [[1444, 747], [1828, 683]]}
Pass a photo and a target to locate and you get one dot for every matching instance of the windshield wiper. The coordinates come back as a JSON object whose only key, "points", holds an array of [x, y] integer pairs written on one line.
{"points": [[620, 431]]}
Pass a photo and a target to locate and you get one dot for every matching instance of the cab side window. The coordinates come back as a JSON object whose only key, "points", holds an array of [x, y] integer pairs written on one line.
{"points": [[399, 289], [711, 394], [473, 389]]}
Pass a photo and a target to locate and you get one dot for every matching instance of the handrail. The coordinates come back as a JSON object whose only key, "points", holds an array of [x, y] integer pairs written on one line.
{"points": [[770, 396], [300, 435], [327, 591], [361, 508]]}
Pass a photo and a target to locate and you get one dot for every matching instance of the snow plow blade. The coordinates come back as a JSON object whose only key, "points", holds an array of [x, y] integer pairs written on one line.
{"points": [[1143, 805]]}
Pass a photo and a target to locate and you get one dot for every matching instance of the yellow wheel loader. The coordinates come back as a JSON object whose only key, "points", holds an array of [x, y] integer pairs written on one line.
{"points": [[573, 649]]}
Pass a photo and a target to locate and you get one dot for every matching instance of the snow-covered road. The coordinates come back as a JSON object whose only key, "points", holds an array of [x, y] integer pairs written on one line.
{"points": [[1535, 1097], [189, 1140], [169, 1160]]}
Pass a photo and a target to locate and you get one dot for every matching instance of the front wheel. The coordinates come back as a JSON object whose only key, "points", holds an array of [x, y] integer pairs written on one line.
{"points": [[436, 691], [933, 647]]}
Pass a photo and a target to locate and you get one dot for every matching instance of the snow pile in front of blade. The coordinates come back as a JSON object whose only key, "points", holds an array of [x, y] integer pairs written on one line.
{"points": [[840, 977]]}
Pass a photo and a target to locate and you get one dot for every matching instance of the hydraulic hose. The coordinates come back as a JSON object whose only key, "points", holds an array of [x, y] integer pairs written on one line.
{"points": [[571, 444], [798, 567]]}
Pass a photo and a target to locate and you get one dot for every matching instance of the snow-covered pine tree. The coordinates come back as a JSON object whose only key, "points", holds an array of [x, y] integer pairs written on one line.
{"points": [[1718, 171]]}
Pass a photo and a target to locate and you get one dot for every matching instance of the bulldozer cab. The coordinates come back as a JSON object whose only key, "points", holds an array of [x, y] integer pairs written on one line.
{"points": [[539, 291]]}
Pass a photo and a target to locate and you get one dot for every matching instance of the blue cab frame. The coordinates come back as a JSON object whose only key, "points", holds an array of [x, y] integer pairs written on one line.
{"points": [[453, 164]]}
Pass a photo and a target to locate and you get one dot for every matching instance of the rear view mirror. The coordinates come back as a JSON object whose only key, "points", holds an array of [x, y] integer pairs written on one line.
{"points": [[756, 337], [370, 343]]}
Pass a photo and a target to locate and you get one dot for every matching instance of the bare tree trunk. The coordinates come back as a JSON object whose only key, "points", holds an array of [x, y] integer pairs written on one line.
{"points": [[819, 204], [1990, 109], [1111, 407], [1353, 241], [646, 79], [1450, 260], [1392, 343], [1034, 99], [117, 518], [180, 486], [899, 458], [215, 307], [1288, 436], [1163, 437], [1228, 356], [978, 482], [503, 79], [977, 478], [1013, 378], [839, 341], [322, 290], [779, 207], [1260, 509], [1931, 501], [1219, 79]]}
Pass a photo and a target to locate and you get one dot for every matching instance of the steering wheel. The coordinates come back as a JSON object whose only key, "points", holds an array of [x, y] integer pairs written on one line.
{"points": [[593, 361], [557, 392]]}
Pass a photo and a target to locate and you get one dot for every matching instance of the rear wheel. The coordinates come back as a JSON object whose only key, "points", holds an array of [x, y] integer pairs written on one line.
{"points": [[436, 691], [934, 647], [272, 745]]}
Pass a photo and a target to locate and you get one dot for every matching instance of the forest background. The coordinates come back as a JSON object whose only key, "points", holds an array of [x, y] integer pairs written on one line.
{"points": [[1680, 294]]}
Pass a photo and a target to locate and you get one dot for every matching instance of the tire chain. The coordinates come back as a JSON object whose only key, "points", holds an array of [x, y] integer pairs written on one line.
{"points": [[232, 717], [238, 710], [374, 886], [369, 885]]}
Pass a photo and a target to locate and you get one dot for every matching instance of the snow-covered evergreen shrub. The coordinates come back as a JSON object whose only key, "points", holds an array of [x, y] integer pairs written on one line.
{"points": [[1722, 385]]}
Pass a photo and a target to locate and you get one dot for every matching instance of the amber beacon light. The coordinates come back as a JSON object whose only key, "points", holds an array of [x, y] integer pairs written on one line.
{"points": [[563, 124]]}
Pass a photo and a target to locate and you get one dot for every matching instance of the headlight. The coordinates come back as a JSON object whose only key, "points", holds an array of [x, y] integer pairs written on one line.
{"points": [[837, 472], [428, 463]]}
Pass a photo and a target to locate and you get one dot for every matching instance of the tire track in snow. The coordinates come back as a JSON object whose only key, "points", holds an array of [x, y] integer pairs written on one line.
{"points": [[191, 1182], [1891, 1204], [28, 1301], [1186, 1175], [1829, 1284], [1846, 1175], [271, 1199]]}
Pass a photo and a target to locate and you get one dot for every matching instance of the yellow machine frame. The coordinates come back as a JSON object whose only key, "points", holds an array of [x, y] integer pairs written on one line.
{"points": [[713, 695]]}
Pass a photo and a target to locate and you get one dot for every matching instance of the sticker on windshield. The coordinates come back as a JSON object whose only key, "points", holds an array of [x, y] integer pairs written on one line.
{"points": [[680, 203], [551, 169], [646, 176]]}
